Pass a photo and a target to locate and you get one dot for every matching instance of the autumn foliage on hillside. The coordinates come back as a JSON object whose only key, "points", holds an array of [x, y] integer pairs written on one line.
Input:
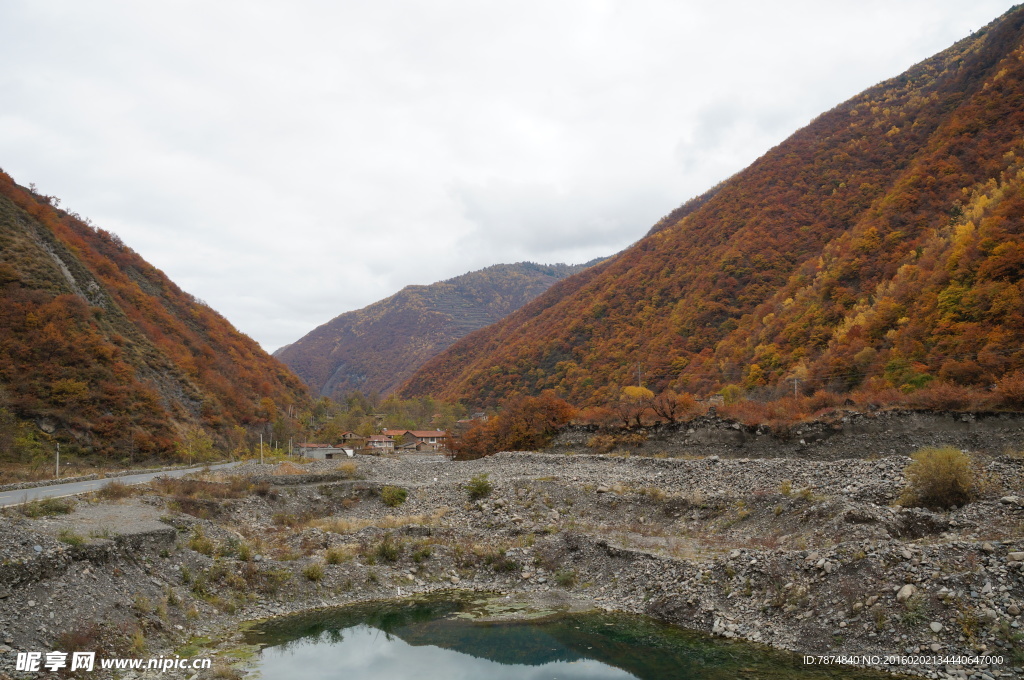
{"points": [[879, 248], [376, 348], [523, 424], [109, 354]]}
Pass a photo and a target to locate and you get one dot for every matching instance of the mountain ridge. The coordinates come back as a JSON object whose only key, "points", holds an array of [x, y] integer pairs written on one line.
{"points": [[375, 348], [103, 351], [764, 278]]}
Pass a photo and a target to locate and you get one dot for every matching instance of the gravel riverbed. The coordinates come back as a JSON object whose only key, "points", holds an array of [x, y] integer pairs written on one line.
{"points": [[810, 556]]}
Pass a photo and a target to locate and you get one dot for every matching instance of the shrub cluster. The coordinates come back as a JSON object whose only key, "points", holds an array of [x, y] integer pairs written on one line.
{"points": [[479, 487], [940, 478], [393, 496]]}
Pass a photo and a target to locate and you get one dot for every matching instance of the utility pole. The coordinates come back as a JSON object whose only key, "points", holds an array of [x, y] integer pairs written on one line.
{"points": [[796, 381], [261, 448], [58, 459], [638, 382]]}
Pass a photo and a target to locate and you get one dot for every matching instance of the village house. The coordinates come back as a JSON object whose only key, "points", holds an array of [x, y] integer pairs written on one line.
{"points": [[323, 451], [380, 443], [428, 440], [419, 440], [352, 440]]}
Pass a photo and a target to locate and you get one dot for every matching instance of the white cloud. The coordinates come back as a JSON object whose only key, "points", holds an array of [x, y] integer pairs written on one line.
{"points": [[288, 162]]}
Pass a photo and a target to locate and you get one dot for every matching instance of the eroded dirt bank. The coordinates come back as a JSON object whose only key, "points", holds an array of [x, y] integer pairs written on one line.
{"points": [[840, 434], [805, 555]]}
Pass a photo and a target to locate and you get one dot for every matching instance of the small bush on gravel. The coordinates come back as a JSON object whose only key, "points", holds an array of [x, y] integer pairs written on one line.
{"points": [[479, 487], [201, 543], [421, 554], [70, 537], [916, 612], [500, 562], [264, 490], [115, 491], [349, 469], [939, 478], [387, 550], [264, 580], [314, 571], [337, 555], [47, 507], [393, 496], [291, 520], [566, 578], [87, 638]]}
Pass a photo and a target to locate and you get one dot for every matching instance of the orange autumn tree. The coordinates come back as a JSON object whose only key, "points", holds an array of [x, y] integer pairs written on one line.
{"points": [[523, 424]]}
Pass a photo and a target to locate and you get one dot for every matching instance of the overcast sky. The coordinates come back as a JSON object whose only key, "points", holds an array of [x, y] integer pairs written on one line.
{"points": [[290, 161]]}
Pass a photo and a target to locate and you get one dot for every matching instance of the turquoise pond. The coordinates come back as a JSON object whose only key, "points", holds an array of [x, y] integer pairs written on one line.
{"points": [[469, 636]]}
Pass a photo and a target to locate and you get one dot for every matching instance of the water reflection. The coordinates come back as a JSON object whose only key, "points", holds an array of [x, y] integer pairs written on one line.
{"points": [[369, 653], [430, 638]]}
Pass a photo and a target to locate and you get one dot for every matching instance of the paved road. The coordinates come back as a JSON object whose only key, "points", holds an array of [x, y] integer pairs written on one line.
{"points": [[20, 496]]}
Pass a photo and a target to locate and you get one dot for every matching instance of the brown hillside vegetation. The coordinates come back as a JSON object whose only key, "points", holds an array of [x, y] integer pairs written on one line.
{"points": [[375, 349], [881, 247], [102, 350]]}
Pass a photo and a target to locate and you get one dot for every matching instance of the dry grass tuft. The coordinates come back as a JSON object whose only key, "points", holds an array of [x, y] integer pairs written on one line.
{"points": [[341, 525], [115, 491], [287, 468]]}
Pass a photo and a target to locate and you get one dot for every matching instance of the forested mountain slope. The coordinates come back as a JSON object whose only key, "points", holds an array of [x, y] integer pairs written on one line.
{"points": [[376, 348], [883, 244], [104, 352]]}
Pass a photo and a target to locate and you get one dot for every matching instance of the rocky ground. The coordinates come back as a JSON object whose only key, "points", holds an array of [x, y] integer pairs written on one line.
{"points": [[811, 556]]}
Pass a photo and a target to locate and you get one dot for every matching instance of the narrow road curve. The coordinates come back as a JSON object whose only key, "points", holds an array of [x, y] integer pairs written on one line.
{"points": [[19, 496]]}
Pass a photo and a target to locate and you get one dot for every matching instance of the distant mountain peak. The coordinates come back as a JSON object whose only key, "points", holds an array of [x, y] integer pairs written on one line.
{"points": [[376, 348]]}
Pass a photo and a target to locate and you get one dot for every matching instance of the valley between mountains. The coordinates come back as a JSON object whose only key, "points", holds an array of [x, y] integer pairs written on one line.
{"points": [[790, 414]]}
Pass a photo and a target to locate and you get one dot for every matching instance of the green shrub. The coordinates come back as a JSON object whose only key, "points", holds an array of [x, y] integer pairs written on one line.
{"points": [[421, 554], [70, 537], [479, 487], [314, 571], [566, 578], [939, 478], [387, 550], [47, 507], [393, 496], [200, 543], [500, 562], [916, 611]]}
